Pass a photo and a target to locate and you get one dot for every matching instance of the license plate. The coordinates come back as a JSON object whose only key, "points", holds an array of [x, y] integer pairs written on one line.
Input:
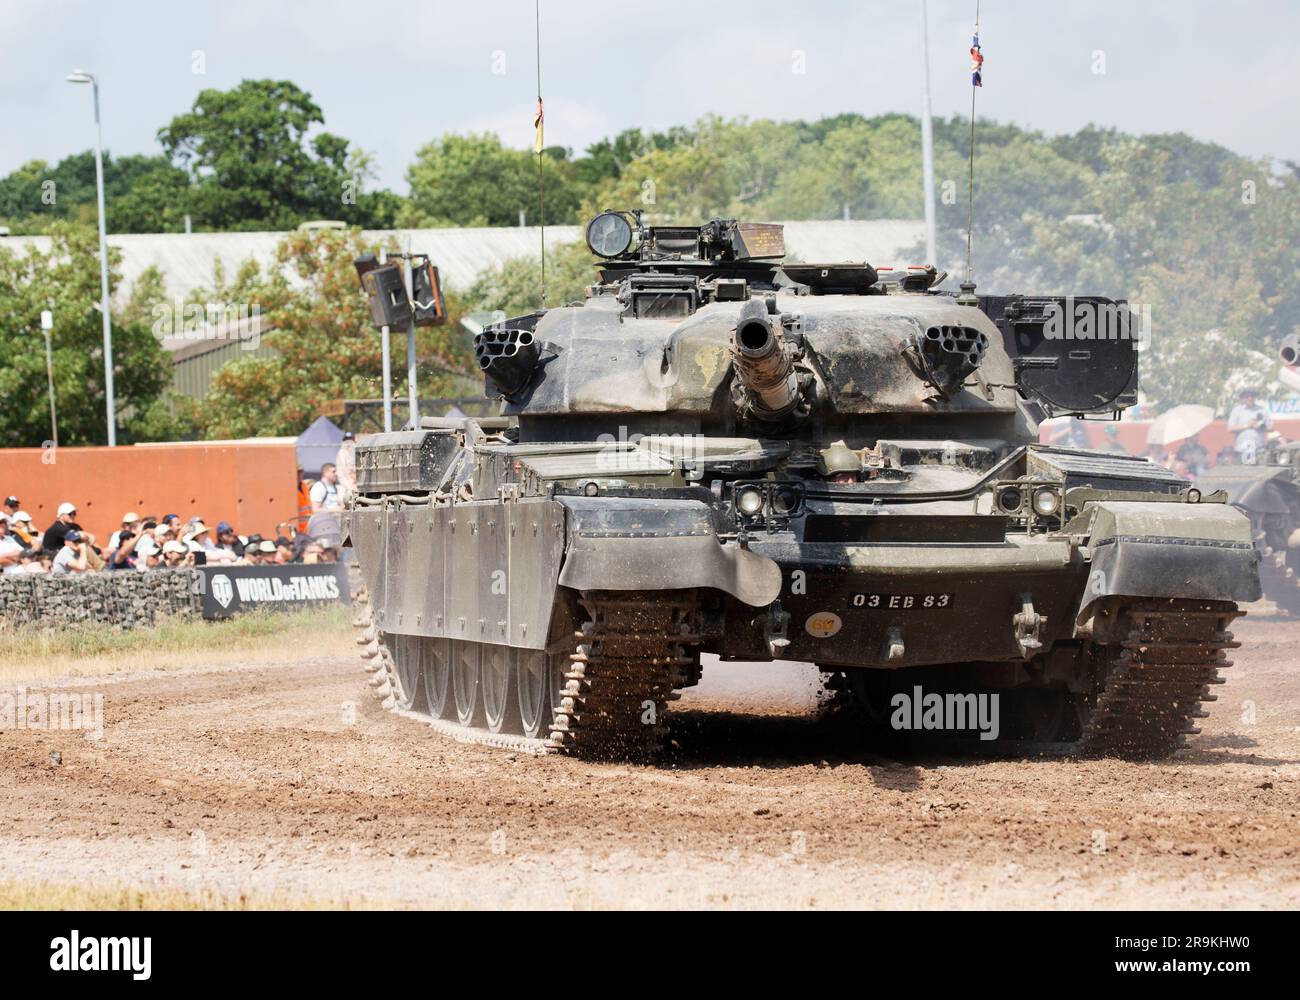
{"points": [[902, 602]]}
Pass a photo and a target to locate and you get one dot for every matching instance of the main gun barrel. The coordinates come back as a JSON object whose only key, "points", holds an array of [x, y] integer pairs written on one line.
{"points": [[762, 363]]}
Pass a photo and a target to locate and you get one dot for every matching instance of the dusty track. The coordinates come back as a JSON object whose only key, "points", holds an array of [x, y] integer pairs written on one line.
{"points": [[261, 780]]}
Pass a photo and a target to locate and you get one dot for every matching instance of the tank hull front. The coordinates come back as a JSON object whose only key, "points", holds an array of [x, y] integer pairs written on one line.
{"points": [[852, 605]]}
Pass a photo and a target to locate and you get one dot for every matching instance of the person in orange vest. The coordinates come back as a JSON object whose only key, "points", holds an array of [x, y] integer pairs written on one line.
{"points": [[304, 504]]}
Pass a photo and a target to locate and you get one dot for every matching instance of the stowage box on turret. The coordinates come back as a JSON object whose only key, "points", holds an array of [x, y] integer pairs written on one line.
{"points": [[720, 453]]}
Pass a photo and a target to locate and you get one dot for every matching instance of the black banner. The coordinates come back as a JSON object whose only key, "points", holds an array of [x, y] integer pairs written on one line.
{"points": [[228, 590], [1228, 951]]}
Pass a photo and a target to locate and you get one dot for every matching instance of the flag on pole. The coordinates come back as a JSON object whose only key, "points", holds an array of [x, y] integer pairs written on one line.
{"points": [[976, 63], [538, 142]]}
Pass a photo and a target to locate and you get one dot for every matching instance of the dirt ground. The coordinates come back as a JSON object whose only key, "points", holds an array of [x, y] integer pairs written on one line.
{"points": [[285, 780]]}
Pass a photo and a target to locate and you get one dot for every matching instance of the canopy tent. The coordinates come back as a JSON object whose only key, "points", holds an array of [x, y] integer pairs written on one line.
{"points": [[317, 445]]}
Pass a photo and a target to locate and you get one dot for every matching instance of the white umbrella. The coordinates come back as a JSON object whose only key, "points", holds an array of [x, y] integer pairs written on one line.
{"points": [[1179, 423]]}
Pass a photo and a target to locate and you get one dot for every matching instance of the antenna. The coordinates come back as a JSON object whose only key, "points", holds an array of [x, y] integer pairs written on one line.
{"points": [[927, 142], [967, 296], [539, 144]]}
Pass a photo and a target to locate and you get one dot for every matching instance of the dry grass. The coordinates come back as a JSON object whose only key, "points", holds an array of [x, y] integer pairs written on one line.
{"points": [[53, 896], [36, 654]]}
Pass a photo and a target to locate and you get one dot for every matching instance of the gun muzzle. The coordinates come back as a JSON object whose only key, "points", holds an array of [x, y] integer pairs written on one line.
{"points": [[1289, 352], [763, 366]]}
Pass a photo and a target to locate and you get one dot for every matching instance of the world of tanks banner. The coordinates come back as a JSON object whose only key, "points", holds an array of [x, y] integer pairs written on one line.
{"points": [[225, 591]]}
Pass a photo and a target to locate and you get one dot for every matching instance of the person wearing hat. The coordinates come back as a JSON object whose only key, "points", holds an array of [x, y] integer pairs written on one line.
{"points": [[148, 550], [20, 525], [196, 537], [229, 541], [129, 520], [266, 550], [11, 550], [1251, 423], [122, 555], [74, 556], [174, 555], [65, 520], [12, 507]]}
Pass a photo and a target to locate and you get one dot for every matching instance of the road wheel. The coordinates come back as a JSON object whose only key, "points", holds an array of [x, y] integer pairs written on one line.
{"points": [[435, 657], [535, 699], [465, 670], [405, 650], [500, 707]]}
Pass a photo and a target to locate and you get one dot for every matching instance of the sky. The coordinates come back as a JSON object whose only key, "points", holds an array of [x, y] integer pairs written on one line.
{"points": [[390, 77]]}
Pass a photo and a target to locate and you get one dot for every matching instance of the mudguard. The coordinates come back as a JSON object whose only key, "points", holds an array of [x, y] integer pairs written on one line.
{"points": [[1258, 489], [1162, 549], [616, 543]]}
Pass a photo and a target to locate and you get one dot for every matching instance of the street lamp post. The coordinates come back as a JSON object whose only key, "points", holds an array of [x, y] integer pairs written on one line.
{"points": [[81, 76], [47, 324]]}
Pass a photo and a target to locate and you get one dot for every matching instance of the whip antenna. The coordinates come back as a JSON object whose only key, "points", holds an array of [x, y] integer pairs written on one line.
{"points": [[539, 144], [967, 296]]}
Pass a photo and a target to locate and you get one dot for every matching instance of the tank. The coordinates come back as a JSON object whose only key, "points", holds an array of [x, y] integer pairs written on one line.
{"points": [[1267, 491], [720, 452]]}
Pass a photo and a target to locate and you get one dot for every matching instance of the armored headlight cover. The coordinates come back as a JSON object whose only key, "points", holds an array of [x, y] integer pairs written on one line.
{"points": [[1047, 501], [749, 501], [785, 499], [1010, 499]]}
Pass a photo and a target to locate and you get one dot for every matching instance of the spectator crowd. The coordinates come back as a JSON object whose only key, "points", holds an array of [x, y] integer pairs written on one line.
{"points": [[1249, 422], [149, 541]]}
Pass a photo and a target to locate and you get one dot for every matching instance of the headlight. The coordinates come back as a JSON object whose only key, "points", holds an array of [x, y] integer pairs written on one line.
{"points": [[785, 499], [1010, 499], [1046, 502], [749, 501]]}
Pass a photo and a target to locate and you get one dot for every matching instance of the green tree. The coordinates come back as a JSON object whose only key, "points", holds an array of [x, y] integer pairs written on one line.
{"points": [[727, 168], [871, 168], [252, 165], [514, 288], [142, 194], [325, 348], [606, 159], [65, 280], [473, 180]]}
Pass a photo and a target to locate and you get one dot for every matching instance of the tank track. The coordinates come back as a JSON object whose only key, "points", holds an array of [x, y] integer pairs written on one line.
{"points": [[1280, 583], [1148, 687], [1158, 677], [631, 657]]}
